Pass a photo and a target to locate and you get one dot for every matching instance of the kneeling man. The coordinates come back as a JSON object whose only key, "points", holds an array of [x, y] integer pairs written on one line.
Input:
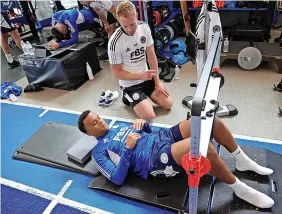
{"points": [[128, 49], [136, 149]]}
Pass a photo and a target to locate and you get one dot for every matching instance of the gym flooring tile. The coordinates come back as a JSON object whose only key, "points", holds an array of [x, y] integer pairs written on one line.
{"points": [[16, 202], [65, 209]]}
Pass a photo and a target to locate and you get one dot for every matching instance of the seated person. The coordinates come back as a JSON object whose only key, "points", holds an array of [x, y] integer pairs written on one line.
{"points": [[67, 24], [123, 149], [98, 8], [129, 48]]}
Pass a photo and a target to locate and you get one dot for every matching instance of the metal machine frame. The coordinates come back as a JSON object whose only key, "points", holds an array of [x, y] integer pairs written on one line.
{"points": [[204, 108]]}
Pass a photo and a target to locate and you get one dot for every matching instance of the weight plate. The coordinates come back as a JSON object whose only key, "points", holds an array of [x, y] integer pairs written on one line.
{"points": [[170, 30], [249, 58], [157, 19]]}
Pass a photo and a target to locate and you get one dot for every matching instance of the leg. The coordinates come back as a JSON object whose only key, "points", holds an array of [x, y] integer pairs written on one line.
{"points": [[145, 110], [6, 27], [223, 136], [15, 34], [162, 101], [112, 29], [112, 22], [137, 99], [5, 44], [220, 171]]}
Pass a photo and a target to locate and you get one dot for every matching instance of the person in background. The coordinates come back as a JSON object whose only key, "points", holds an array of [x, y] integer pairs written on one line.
{"points": [[6, 28], [67, 24], [99, 7]]}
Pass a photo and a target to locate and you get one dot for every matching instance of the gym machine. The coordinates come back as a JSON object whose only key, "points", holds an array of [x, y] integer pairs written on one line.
{"points": [[203, 110], [202, 48]]}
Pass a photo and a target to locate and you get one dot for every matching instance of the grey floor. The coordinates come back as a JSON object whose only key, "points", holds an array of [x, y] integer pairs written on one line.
{"points": [[250, 91]]}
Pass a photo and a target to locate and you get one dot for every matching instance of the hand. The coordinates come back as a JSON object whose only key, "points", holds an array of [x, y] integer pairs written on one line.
{"points": [[53, 45], [12, 14], [148, 75], [160, 88], [131, 140], [138, 124]]}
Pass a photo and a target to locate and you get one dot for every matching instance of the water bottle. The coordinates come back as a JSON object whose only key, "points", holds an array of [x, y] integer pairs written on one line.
{"points": [[225, 45], [89, 71], [24, 47], [177, 72]]}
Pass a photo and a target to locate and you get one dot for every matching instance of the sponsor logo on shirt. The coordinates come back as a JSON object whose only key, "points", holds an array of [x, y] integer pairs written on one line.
{"points": [[128, 49]]}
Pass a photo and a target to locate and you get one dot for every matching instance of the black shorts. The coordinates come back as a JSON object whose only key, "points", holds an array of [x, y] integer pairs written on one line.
{"points": [[137, 93], [6, 25], [110, 18]]}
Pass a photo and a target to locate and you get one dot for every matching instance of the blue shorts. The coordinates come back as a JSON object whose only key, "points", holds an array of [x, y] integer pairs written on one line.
{"points": [[162, 164]]}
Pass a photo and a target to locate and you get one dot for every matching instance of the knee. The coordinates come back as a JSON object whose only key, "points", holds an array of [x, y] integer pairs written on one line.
{"points": [[148, 116], [212, 154], [218, 123], [168, 104]]}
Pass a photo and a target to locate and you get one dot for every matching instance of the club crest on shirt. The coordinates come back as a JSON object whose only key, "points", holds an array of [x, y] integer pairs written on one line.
{"points": [[135, 96], [143, 39]]}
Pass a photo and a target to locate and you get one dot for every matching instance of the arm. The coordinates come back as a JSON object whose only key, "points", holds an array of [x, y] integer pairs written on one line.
{"points": [[115, 173], [147, 127], [122, 74], [151, 55], [153, 61]]}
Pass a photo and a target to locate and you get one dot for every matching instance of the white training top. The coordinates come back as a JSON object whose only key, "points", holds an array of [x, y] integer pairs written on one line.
{"points": [[130, 51]]}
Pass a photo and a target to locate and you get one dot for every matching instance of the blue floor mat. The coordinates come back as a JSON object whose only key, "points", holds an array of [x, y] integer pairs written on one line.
{"points": [[19, 123], [17, 202], [65, 209]]}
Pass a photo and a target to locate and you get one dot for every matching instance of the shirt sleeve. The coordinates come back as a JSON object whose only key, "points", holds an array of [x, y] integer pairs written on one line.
{"points": [[149, 37], [71, 23], [105, 5], [147, 127], [115, 55], [115, 173]]}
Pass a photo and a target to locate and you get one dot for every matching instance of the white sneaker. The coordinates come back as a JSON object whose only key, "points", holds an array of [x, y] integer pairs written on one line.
{"points": [[102, 98], [110, 97]]}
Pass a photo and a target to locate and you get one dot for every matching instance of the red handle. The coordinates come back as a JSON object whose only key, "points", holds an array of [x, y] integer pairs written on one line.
{"points": [[195, 168]]}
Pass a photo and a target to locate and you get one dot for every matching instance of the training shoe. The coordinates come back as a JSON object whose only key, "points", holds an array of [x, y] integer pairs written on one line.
{"points": [[111, 97], [102, 98], [13, 64]]}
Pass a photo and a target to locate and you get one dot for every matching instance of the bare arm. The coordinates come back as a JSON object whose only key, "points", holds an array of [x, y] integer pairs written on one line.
{"points": [[153, 61], [121, 74]]}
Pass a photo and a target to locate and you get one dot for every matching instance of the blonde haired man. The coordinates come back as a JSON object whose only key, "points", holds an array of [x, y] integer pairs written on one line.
{"points": [[129, 48]]}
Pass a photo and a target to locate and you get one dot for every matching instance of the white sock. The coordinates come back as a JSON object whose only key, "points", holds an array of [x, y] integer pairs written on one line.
{"points": [[251, 195], [9, 58], [244, 163]]}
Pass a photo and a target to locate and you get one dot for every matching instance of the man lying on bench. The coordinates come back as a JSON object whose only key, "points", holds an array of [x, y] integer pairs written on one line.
{"points": [[136, 149]]}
